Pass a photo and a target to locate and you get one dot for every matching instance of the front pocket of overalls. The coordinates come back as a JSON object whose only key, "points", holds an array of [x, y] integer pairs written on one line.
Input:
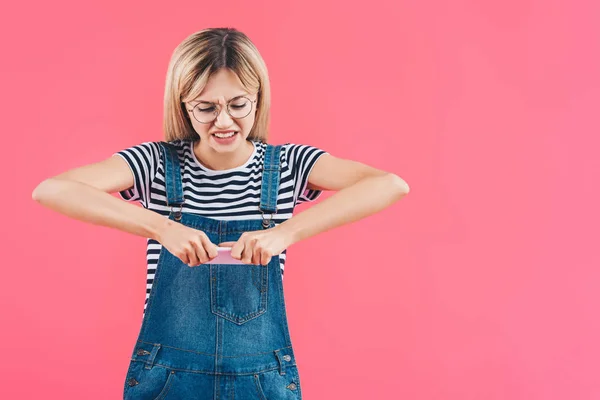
{"points": [[238, 292], [147, 384], [273, 385]]}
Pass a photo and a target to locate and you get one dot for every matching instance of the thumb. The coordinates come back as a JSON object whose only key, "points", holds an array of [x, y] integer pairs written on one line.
{"points": [[226, 244]]}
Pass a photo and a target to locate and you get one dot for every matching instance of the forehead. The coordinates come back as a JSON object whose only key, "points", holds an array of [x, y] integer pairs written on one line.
{"points": [[221, 87], [220, 100]]}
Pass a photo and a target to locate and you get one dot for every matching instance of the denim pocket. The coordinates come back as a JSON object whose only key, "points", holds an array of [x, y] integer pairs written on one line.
{"points": [[272, 385], [238, 292], [147, 384]]}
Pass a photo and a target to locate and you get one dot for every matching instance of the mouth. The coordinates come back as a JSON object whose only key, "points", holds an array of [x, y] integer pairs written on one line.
{"points": [[225, 138]]}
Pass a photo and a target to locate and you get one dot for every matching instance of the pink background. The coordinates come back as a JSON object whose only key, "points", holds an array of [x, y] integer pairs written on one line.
{"points": [[481, 284]]}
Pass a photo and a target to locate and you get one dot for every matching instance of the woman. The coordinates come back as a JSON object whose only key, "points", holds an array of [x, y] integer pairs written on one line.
{"points": [[217, 330]]}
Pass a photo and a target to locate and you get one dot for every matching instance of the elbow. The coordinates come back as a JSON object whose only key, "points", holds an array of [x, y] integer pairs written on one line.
{"points": [[399, 184], [39, 190], [43, 190]]}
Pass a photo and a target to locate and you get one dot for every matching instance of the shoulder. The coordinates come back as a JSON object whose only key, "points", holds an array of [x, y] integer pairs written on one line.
{"points": [[300, 147], [261, 150], [180, 145], [141, 155], [301, 153], [144, 147], [149, 155]]}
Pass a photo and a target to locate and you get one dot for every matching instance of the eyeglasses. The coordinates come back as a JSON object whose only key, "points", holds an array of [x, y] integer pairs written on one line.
{"points": [[206, 112]]}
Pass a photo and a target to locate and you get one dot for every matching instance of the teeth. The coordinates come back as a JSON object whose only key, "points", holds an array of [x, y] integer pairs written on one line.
{"points": [[224, 135]]}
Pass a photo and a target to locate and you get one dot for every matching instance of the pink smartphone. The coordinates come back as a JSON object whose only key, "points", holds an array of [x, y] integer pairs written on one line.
{"points": [[224, 257]]}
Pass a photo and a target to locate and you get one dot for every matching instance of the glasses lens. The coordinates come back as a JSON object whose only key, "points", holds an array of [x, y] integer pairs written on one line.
{"points": [[205, 112], [240, 107]]}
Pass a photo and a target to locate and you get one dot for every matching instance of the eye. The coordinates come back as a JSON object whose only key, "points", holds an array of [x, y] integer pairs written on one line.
{"points": [[205, 107]]}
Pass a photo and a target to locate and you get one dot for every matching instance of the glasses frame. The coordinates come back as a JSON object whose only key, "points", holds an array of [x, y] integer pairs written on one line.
{"points": [[218, 108]]}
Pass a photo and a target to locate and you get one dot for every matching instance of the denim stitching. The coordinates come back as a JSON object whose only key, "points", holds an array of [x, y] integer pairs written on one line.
{"points": [[209, 354], [167, 386], [259, 387]]}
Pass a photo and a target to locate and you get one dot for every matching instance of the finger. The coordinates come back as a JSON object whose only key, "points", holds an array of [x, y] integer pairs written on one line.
{"points": [[200, 251], [265, 257], [256, 255], [191, 255], [210, 247], [226, 244], [237, 249], [247, 253], [184, 258]]}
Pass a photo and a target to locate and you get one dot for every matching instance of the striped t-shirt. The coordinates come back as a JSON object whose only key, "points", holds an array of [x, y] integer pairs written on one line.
{"points": [[231, 194]]}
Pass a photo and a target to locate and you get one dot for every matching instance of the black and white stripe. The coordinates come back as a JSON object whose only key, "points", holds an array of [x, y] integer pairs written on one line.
{"points": [[232, 194]]}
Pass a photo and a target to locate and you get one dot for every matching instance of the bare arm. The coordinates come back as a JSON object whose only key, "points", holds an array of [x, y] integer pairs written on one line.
{"points": [[83, 193], [362, 190]]}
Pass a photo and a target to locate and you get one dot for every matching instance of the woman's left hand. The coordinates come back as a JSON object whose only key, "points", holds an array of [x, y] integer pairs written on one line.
{"points": [[257, 247]]}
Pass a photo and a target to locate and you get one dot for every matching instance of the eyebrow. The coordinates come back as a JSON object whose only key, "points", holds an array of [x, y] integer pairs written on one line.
{"points": [[226, 101]]}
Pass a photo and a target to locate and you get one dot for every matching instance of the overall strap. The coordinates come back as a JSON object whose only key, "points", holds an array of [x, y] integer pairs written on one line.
{"points": [[270, 183], [173, 187]]}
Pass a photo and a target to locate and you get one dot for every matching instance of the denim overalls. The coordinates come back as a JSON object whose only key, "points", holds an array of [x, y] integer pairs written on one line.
{"points": [[215, 331]]}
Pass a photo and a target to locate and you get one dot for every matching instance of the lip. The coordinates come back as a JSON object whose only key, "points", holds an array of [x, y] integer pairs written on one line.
{"points": [[225, 141], [227, 131]]}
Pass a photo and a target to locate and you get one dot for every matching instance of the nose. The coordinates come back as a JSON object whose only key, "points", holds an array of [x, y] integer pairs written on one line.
{"points": [[223, 120]]}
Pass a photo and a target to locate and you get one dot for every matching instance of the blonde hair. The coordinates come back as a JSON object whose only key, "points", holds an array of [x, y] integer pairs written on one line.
{"points": [[193, 62]]}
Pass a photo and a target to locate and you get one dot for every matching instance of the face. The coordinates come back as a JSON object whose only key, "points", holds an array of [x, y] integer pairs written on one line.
{"points": [[223, 86]]}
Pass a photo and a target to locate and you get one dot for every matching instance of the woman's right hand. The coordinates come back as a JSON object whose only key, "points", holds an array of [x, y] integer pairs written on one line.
{"points": [[190, 245]]}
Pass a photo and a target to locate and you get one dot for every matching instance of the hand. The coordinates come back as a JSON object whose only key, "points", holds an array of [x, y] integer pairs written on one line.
{"points": [[257, 247], [190, 245]]}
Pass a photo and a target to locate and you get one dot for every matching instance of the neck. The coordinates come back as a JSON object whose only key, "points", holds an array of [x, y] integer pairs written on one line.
{"points": [[214, 160]]}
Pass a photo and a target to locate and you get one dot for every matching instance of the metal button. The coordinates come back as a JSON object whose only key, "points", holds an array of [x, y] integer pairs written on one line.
{"points": [[132, 382], [142, 352], [292, 386], [287, 357]]}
